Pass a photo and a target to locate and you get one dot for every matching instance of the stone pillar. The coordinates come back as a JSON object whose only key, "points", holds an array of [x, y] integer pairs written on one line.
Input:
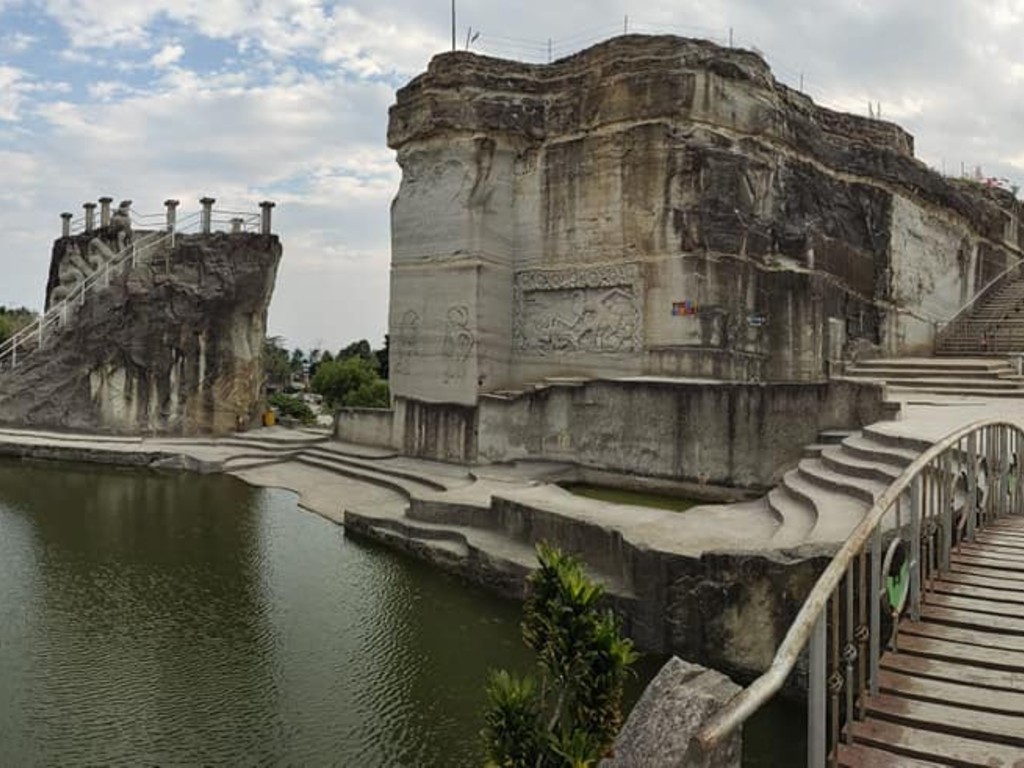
{"points": [[65, 224], [90, 216], [105, 211], [207, 215], [662, 727], [236, 225], [172, 214], [265, 208]]}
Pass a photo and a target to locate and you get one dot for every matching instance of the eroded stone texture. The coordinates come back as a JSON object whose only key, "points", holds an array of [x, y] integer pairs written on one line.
{"points": [[673, 709], [172, 346], [551, 216]]}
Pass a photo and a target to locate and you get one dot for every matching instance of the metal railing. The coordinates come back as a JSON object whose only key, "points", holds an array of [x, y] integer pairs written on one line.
{"points": [[942, 498], [34, 335], [949, 327]]}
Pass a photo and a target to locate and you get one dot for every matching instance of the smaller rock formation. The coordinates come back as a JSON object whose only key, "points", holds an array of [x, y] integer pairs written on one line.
{"points": [[170, 345], [675, 706]]}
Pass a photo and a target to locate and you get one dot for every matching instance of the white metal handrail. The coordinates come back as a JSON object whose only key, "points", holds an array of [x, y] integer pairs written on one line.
{"points": [[58, 314], [963, 468], [989, 287]]}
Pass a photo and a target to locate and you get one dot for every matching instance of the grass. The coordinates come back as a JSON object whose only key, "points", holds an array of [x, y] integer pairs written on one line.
{"points": [[636, 498]]}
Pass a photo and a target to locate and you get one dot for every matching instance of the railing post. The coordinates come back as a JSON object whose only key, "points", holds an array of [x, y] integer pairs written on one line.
{"points": [[207, 214], [90, 216], [14, 353], [816, 708], [971, 507], [265, 208], [105, 211], [916, 511], [875, 622], [946, 498], [172, 217], [65, 224]]}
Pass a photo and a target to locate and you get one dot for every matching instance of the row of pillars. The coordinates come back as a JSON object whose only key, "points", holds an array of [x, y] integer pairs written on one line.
{"points": [[205, 219]]}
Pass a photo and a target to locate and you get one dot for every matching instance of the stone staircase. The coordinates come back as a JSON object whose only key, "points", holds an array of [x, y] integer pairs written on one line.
{"points": [[993, 324], [964, 376], [836, 483]]}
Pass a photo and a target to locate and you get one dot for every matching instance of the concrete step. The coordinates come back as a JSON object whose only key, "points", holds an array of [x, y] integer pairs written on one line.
{"points": [[953, 383], [813, 450], [376, 466], [963, 392], [876, 433], [840, 461], [815, 471], [913, 373], [867, 449], [796, 514], [836, 513], [963, 363], [834, 436]]}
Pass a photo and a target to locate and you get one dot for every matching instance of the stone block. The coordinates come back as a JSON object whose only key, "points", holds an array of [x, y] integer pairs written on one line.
{"points": [[675, 706]]}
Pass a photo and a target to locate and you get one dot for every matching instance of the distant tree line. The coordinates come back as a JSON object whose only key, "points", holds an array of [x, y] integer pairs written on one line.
{"points": [[355, 377], [13, 319]]}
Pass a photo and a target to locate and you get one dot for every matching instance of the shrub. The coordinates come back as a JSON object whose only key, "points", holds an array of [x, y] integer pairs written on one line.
{"points": [[292, 407], [573, 715]]}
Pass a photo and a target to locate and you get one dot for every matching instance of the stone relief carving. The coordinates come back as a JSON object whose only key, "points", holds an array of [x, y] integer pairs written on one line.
{"points": [[121, 224], [405, 341], [76, 266], [569, 311], [459, 341]]}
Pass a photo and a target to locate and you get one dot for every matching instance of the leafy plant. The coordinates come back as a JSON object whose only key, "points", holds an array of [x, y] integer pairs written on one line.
{"points": [[572, 717], [292, 407], [352, 382]]}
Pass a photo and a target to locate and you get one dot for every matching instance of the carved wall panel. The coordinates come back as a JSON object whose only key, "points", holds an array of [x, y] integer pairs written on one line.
{"points": [[578, 311]]}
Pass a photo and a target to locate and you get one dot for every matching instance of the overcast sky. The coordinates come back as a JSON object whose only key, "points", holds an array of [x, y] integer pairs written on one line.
{"points": [[284, 99]]}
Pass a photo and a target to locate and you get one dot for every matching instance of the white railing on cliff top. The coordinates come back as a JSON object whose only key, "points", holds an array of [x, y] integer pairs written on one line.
{"points": [[34, 335], [966, 480]]}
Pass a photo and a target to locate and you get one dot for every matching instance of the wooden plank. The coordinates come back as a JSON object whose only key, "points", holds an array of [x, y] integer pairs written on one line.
{"points": [[969, 558], [987, 726], [952, 672], [990, 553], [955, 694], [968, 654], [962, 618], [982, 593], [971, 579], [857, 756], [1006, 576], [929, 745], [998, 544], [972, 636], [971, 604]]}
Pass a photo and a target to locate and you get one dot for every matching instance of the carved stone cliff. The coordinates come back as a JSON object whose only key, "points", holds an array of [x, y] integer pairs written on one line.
{"points": [[662, 206], [172, 346]]}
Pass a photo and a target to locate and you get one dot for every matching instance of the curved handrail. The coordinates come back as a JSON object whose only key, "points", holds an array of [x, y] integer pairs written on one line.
{"points": [[753, 697]]}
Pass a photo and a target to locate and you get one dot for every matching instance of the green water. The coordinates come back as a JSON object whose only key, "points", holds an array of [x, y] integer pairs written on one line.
{"points": [[193, 620], [636, 498]]}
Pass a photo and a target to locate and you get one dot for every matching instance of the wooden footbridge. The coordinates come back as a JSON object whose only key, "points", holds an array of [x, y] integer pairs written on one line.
{"points": [[914, 635]]}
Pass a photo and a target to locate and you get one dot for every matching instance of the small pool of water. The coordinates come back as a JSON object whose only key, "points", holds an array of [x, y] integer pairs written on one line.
{"points": [[636, 498]]}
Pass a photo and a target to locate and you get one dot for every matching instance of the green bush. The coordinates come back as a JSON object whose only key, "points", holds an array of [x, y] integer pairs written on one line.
{"points": [[292, 407], [572, 717], [350, 383]]}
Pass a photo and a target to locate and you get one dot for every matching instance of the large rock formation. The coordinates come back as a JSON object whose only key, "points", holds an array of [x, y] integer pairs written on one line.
{"points": [[172, 346], [662, 206]]}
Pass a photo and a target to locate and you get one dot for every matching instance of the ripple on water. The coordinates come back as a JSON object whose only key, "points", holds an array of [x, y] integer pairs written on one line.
{"points": [[181, 620]]}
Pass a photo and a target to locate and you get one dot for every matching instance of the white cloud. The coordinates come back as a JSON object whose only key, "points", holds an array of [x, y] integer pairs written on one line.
{"points": [[167, 55]]}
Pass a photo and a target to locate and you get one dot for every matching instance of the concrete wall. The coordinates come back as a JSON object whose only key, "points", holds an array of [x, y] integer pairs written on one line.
{"points": [[366, 426], [728, 434]]}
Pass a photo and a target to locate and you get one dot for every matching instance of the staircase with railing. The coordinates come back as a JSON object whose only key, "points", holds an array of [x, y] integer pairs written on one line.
{"points": [[913, 633], [992, 323], [146, 242]]}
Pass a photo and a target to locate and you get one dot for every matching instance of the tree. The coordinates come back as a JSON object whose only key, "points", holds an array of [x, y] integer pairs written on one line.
{"points": [[359, 348], [352, 382], [573, 715], [13, 320], [383, 364], [276, 366], [298, 360]]}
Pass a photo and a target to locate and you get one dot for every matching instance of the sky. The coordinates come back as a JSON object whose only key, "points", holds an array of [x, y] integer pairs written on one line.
{"points": [[246, 100]]}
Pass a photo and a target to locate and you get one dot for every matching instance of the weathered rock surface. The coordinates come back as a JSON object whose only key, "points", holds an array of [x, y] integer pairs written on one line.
{"points": [[662, 206], [172, 346], [674, 707]]}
